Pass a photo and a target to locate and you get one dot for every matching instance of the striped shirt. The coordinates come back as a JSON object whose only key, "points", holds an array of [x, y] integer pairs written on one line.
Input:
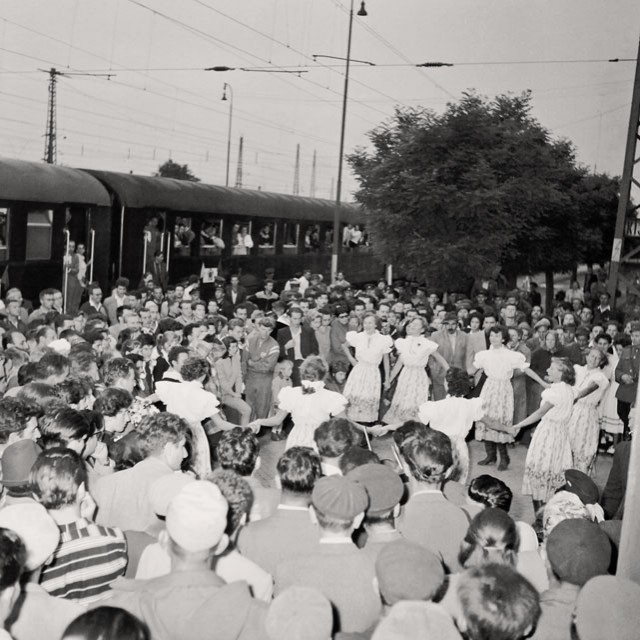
{"points": [[88, 559]]}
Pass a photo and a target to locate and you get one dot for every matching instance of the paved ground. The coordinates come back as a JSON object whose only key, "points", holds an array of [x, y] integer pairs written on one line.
{"points": [[521, 508]]}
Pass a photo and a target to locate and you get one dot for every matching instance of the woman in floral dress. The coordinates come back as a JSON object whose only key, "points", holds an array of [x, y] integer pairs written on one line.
{"points": [[498, 363], [412, 389], [549, 454], [363, 388], [584, 428]]}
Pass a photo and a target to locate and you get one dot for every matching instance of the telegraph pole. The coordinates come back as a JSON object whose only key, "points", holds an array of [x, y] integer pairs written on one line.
{"points": [[239, 169], [296, 173], [50, 143]]}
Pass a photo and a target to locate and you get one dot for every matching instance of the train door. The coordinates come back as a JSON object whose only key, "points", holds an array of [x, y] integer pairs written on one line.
{"points": [[76, 260], [156, 250]]}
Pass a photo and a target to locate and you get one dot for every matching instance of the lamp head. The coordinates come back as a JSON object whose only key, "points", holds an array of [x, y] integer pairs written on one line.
{"points": [[362, 11]]}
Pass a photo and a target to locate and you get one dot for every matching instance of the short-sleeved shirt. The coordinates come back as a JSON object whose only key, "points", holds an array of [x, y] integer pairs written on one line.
{"points": [[453, 416], [369, 347], [500, 363], [586, 377], [189, 400], [317, 406], [560, 395], [415, 350]]}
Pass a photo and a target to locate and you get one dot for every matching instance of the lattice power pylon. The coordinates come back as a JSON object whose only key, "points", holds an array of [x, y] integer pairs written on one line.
{"points": [[624, 271]]}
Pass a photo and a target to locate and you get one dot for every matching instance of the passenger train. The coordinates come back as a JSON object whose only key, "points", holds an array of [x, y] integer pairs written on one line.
{"points": [[126, 220]]}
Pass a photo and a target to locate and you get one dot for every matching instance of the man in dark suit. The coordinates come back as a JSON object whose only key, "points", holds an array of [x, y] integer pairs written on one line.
{"points": [[297, 342], [627, 373], [159, 270], [453, 347], [235, 294]]}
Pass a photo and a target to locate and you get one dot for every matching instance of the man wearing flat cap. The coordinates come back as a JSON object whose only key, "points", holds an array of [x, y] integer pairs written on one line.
{"points": [[338, 569], [576, 551]]}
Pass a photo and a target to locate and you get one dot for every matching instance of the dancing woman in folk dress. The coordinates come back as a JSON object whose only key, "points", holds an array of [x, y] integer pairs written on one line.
{"points": [[412, 389], [309, 405], [549, 454], [499, 363], [584, 428], [363, 388]]}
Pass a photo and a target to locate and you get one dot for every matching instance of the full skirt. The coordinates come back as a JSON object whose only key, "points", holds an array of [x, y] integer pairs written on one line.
{"points": [[584, 434], [412, 391], [608, 410], [548, 457], [497, 403], [363, 391]]}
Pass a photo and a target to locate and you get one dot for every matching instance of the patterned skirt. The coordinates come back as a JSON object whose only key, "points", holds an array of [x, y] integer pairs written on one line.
{"points": [[363, 390], [584, 434], [497, 402], [412, 391], [548, 457]]}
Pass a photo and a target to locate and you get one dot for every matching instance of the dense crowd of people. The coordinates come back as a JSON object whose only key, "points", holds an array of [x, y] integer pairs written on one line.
{"points": [[130, 437]]}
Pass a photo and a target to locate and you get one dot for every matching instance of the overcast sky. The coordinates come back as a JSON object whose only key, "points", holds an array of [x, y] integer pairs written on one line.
{"points": [[159, 103]]}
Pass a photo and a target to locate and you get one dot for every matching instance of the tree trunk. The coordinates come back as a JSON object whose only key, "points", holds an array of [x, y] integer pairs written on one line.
{"points": [[548, 297]]}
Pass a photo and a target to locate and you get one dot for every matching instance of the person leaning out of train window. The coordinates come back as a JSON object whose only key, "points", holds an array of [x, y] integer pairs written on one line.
{"points": [[116, 299], [94, 306]]}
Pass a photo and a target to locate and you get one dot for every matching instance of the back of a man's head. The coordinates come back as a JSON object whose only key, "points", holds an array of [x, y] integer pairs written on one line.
{"points": [[238, 450], [333, 437], [428, 457], [13, 418], [56, 478], [497, 603], [299, 469], [158, 430]]}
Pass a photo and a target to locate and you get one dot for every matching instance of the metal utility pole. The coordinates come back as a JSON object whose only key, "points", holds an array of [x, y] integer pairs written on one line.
{"points": [[239, 170], [50, 144], [50, 136], [628, 219], [312, 187], [296, 173]]}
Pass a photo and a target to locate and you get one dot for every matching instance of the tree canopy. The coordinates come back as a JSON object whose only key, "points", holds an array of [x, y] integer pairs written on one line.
{"points": [[171, 169], [482, 186]]}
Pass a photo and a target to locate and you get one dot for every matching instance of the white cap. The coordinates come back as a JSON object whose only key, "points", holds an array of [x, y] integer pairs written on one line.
{"points": [[163, 490], [197, 516], [38, 530]]}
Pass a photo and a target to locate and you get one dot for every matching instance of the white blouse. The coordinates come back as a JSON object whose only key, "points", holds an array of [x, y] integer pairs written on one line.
{"points": [[586, 377], [500, 363], [561, 396], [453, 416], [415, 350], [311, 408], [369, 347]]}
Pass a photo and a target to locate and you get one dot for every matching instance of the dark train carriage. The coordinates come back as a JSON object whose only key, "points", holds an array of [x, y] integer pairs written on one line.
{"points": [[39, 204], [194, 224]]}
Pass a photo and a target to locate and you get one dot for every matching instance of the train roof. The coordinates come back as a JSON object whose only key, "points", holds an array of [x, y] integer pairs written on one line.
{"points": [[140, 192], [47, 183]]}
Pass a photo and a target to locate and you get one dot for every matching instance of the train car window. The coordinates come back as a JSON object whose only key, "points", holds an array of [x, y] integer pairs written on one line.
{"points": [[241, 238], [4, 233], [39, 228], [312, 239], [290, 234], [183, 237], [211, 242], [355, 238], [267, 238]]}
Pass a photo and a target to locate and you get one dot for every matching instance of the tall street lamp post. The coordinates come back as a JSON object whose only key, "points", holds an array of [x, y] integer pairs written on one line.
{"points": [[225, 88]]}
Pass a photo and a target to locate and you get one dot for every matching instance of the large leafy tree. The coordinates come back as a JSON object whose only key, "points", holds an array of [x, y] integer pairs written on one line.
{"points": [[480, 187], [171, 169]]}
